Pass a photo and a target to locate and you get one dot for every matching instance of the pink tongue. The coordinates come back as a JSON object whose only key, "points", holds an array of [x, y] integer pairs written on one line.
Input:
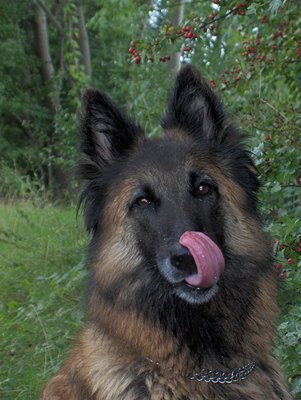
{"points": [[207, 256]]}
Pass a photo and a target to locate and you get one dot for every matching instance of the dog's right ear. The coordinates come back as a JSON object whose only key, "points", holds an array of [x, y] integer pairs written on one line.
{"points": [[195, 109], [106, 133]]}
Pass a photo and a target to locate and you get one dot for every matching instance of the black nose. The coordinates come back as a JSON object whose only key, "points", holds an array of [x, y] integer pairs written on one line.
{"points": [[181, 259]]}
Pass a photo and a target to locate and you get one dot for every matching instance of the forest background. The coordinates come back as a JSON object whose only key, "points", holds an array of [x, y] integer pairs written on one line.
{"points": [[50, 50]]}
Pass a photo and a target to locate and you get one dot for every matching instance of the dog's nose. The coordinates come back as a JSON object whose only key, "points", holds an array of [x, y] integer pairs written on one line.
{"points": [[181, 259]]}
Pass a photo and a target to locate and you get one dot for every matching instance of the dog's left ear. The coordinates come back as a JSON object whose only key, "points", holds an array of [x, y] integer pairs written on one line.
{"points": [[195, 108], [106, 133]]}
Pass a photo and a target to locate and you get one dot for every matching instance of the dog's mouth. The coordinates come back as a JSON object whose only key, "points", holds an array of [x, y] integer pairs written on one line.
{"points": [[208, 258], [193, 294], [193, 267]]}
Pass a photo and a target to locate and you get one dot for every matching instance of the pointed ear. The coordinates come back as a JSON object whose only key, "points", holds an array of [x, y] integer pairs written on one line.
{"points": [[106, 133], [195, 108]]}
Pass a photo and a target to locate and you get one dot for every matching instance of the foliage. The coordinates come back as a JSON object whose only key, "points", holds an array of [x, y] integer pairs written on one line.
{"points": [[34, 140]]}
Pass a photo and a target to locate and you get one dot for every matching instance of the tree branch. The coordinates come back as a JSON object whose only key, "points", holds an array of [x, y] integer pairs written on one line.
{"points": [[176, 19], [51, 17], [84, 40], [44, 55], [26, 132], [273, 108]]}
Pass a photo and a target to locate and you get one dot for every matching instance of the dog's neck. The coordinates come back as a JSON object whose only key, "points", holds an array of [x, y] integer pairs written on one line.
{"points": [[194, 337]]}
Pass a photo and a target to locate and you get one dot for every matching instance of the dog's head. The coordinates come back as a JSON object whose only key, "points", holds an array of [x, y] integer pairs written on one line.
{"points": [[173, 212]]}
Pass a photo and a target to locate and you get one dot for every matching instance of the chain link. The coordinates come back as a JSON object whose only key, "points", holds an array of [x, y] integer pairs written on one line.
{"points": [[212, 376], [215, 376]]}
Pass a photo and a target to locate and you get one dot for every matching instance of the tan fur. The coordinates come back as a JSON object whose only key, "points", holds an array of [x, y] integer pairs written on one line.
{"points": [[116, 252]]}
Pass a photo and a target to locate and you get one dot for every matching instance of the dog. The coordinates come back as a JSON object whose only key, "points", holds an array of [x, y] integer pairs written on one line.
{"points": [[181, 292]]}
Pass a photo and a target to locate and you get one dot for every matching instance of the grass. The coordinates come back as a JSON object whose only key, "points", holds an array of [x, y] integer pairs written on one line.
{"points": [[42, 278], [41, 281]]}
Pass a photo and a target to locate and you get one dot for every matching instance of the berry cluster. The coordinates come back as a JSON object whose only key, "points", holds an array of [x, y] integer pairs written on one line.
{"points": [[190, 35], [255, 54], [135, 53], [228, 77], [164, 59], [254, 49], [240, 9], [286, 251], [189, 32], [213, 84]]}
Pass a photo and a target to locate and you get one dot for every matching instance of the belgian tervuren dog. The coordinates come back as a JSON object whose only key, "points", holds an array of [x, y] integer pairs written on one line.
{"points": [[181, 293]]}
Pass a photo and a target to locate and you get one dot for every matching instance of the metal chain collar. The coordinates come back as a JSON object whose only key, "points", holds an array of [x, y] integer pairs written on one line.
{"points": [[215, 376]]}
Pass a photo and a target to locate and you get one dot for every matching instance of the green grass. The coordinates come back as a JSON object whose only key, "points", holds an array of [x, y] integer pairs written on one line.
{"points": [[41, 294]]}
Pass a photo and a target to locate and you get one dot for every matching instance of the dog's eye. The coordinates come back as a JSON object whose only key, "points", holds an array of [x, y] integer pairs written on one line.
{"points": [[143, 202], [204, 189]]}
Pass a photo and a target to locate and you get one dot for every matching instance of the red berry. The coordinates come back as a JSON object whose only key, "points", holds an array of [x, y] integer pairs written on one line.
{"points": [[283, 275], [137, 60], [298, 249], [213, 15], [213, 84], [281, 247], [264, 19], [290, 261], [187, 48], [188, 35], [237, 78], [131, 50], [278, 266], [186, 28], [212, 26], [268, 137]]}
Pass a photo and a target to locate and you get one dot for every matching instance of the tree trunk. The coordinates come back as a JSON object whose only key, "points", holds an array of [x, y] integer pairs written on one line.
{"points": [[43, 52], [51, 99], [84, 40], [176, 19]]}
